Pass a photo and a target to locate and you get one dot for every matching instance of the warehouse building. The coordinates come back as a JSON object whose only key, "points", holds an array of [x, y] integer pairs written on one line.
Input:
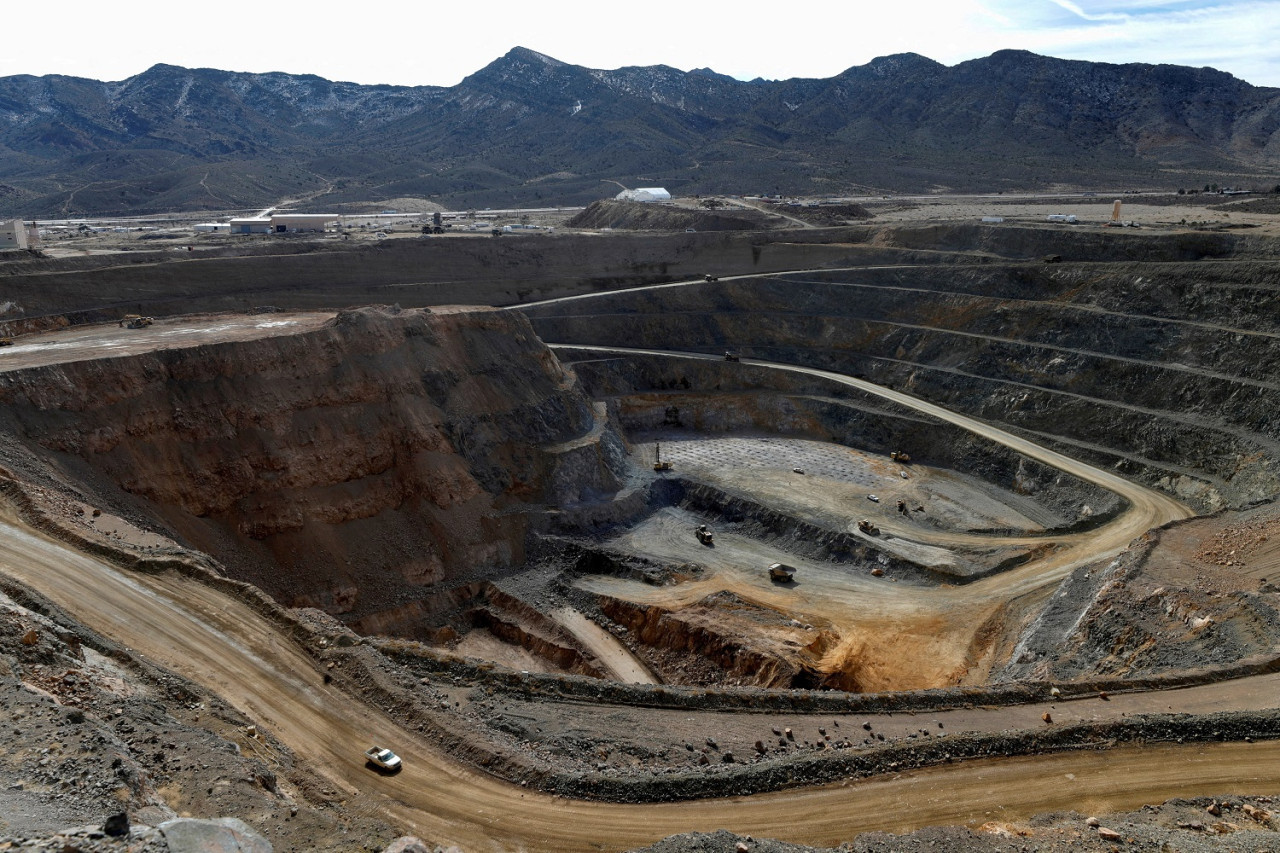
{"points": [[282, 223]]}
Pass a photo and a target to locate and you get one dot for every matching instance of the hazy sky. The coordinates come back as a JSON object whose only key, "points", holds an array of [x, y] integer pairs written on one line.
{"points": [[422, 42]]}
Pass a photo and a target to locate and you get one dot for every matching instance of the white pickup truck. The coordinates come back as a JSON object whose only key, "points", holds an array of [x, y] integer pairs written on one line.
{"points": [[384, 758]]}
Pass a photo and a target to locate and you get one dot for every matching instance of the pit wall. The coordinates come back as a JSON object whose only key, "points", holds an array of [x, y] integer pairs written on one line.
{"points": [[453, 270], [341, 468], [718, 397], [1120, 620], [1176, 398], [299, 275]]}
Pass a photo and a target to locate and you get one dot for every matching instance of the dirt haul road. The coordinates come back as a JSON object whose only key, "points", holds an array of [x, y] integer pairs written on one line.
{"points": [[891, 636], [225, 645]]}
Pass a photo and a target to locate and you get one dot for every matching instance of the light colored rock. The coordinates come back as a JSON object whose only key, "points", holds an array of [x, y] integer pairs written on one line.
{"points": [[218, 835], [1260, 815], [1108, 834], [407, 844], [1093, 821]]}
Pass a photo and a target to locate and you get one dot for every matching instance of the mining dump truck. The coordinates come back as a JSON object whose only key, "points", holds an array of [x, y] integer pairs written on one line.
{"points": [[781, 573], [6, 342], [710, 277], [135, 321], [899, 456], [731, 356], [704, 534]]}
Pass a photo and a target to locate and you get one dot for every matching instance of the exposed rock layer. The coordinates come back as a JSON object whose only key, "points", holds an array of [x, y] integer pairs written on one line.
{"points": [[344, 467]]}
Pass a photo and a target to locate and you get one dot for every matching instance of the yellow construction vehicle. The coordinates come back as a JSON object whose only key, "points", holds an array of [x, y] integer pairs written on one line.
{"points": [[658, 464], [781, 573]]}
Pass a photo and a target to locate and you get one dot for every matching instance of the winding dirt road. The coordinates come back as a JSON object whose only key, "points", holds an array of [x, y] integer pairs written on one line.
{"points": [[223, 644]]}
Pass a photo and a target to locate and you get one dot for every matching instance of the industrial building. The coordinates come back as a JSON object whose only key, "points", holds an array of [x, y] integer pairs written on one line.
{"points": [[282, 223], [644, 194], [13, 235]]}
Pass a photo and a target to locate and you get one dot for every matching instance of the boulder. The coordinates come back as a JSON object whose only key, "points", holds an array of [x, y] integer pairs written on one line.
{"points": [[217, 835], [117, 826]]}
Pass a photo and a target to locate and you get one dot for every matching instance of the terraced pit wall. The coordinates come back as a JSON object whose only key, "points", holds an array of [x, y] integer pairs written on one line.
{"points": [[1164, 371], [297, 274], [717, 397], [353, 467]]}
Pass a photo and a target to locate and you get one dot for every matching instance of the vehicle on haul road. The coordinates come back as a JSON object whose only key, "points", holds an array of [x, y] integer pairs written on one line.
{"points": [[382, 757], [781, 573], [704, 534]]}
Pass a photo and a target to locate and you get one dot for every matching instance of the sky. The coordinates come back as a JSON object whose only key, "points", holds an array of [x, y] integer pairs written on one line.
{"points": [[419, 42]]}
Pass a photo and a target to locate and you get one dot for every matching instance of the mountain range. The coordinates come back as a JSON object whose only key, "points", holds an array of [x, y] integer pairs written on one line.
{"points": [[529, 130]]}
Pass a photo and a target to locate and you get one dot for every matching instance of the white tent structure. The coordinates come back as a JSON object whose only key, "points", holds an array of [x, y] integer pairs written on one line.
{"points": [[644, 194]]}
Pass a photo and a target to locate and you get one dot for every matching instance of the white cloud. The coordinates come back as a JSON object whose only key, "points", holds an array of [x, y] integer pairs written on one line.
{"points": [[1081, 13]]}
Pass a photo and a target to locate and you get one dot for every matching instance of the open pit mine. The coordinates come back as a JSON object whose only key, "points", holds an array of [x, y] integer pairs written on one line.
{"points": [[897, 530]]}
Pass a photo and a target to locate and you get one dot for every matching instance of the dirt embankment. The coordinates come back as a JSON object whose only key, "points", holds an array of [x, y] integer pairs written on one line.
{"points": [[342, 467], [636, 216], [296, 275]]}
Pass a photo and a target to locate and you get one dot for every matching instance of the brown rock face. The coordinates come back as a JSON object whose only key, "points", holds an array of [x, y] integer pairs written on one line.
{"points": [[343, 467]]}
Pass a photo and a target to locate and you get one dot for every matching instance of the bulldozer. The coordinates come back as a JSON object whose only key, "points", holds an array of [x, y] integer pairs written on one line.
{"points": [[658, 464], [868, 528], [899, 456]]}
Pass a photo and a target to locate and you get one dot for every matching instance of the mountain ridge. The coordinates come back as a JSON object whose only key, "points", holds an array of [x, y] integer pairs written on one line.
{"points": [[528, 129]]}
